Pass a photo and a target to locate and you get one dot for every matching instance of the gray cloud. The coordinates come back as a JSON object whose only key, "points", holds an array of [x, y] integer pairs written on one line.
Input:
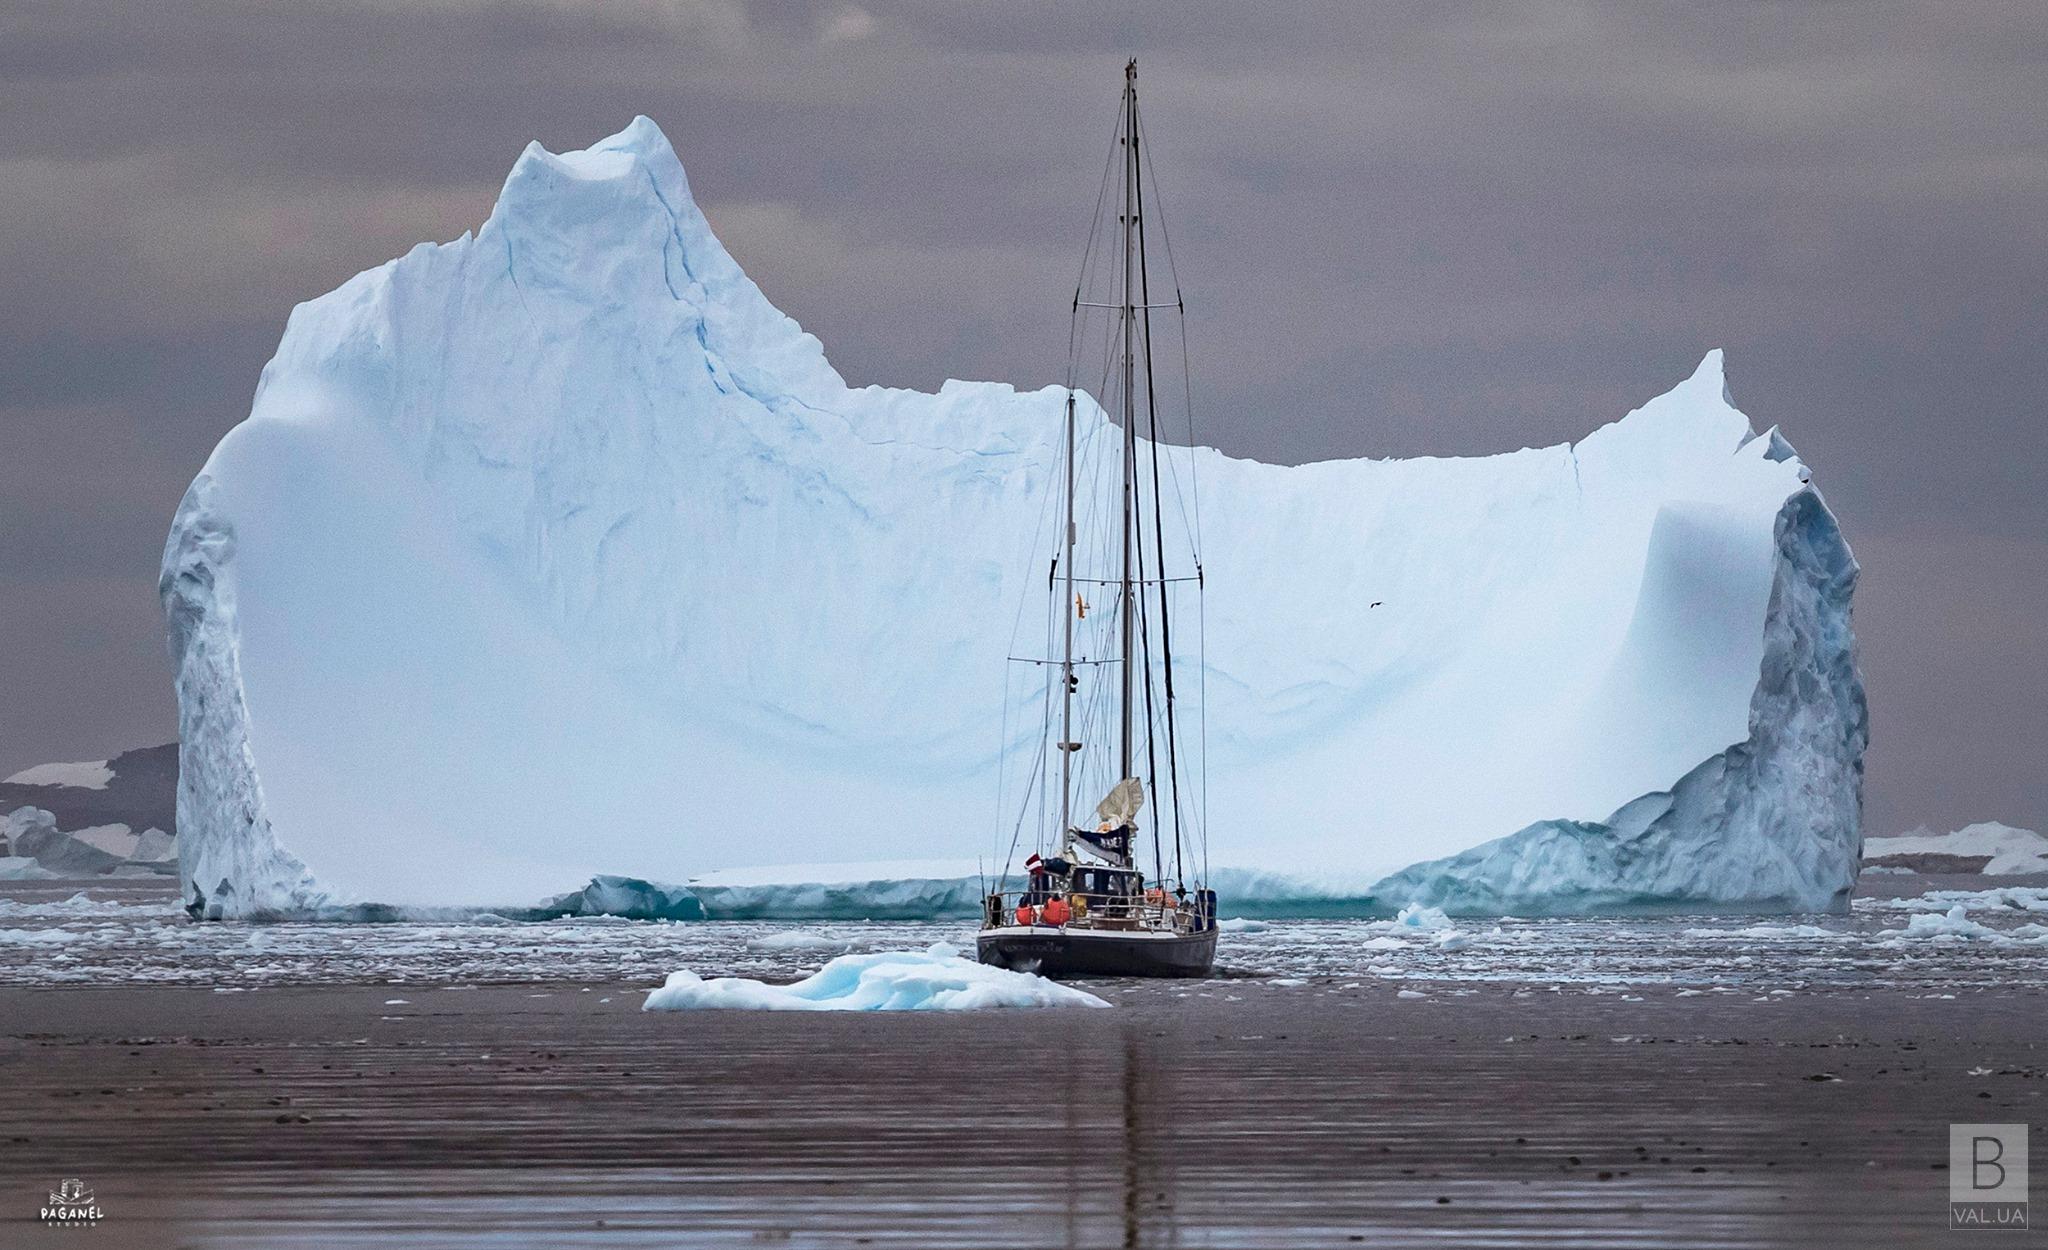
{"points": [[1439, 228]]}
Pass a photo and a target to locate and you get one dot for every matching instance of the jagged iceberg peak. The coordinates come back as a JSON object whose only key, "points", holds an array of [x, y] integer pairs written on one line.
{"points": [[627, 199], [559, 552]]}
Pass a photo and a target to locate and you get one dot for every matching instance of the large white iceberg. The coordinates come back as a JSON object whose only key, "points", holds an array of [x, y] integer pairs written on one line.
{"points": [[557, 551]]}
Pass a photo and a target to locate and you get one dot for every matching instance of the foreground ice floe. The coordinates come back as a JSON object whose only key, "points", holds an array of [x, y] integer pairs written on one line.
{"points": [[935, 979], [656, 593]]}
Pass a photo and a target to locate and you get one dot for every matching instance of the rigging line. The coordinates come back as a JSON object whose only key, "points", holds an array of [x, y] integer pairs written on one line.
{"points": [[1024, 807], [1151, 755], [1159, 203], [1187, 378], [1158, 522], [1094, 226], [1002, 749], [1003, 882], [1202, 648]]}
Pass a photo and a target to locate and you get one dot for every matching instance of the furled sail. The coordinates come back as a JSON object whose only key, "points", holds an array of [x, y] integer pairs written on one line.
{"points": [[1121, 806]]}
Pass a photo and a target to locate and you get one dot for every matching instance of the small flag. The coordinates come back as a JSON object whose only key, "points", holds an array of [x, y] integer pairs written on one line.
{"points": [[1034, 864], [1080, 606]]}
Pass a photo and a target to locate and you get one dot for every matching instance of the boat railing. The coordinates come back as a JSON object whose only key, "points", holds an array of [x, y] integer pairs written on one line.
{"points": [[1083, 910]]}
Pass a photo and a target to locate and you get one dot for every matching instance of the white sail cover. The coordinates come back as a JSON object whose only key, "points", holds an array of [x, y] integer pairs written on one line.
{"points": [[1125, 800]]}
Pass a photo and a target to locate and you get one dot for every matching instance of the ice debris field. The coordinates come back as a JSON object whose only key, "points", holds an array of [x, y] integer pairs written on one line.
{"points": [[1932, 944], [582, 552]]}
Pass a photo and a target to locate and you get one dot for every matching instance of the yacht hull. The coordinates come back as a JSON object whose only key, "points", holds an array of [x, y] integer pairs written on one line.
{"points": [[1098, 953]]}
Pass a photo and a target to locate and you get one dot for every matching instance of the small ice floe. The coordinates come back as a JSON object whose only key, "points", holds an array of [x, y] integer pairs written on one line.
{"points": [[1238, 924], [1411, 994], [1287, 981], [398, 1002], [1954, 923], [936, 979], [798, 940], [1383, 943], [1452, 939], [1416, 916]]}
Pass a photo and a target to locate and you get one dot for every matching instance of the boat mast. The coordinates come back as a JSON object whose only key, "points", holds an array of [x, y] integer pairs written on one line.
{"points": [[1067, 744], [1129, 603]]}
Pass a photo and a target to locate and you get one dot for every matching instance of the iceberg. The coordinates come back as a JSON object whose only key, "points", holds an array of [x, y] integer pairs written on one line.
{"points": [[1994, 849], [626, 897], [90, 775], [874, 890], [557, 553], [937, 979]]}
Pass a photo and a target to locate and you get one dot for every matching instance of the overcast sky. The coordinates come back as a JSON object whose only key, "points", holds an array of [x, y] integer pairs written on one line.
{"points": [[1401, 229]]}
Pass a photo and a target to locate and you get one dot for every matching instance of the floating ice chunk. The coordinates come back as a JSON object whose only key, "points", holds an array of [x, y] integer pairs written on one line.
{"points": [[1955, 923], [1416, 916], [935, 979], [22, 868], [1452, 939], [1411, 994], [1238, 924], [115, 839]]}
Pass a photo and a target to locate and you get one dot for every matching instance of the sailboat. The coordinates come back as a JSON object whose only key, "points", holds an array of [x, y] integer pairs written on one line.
{"points": [[1086, 902]]}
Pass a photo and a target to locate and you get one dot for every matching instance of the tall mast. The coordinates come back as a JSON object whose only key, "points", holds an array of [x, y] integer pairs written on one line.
{"points": [[1067, 743], [1129, 602]]}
